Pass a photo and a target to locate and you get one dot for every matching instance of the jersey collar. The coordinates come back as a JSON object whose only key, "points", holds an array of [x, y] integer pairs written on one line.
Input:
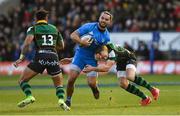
{"points": [[41, 21], [100, 28]]}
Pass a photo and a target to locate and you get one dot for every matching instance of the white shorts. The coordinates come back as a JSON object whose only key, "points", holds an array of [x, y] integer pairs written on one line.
{"points": [[123, 73]]}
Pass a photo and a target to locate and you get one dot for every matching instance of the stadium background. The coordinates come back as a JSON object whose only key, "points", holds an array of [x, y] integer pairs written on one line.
{"points": [[131, 17]]}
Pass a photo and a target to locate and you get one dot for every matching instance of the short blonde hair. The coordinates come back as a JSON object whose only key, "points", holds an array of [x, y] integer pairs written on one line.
{"points": [[102, 48]]}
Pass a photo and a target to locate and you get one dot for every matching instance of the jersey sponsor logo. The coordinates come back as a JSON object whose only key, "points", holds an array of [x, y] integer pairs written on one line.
{"points": [[91, 32], [103, 40], [48, 63]]}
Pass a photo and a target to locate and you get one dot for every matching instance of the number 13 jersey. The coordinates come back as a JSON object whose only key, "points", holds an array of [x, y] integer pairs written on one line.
{"points": [[46, 36]]}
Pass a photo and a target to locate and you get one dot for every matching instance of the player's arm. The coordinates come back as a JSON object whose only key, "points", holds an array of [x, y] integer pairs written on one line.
{"points": [[100, 68], [76, 38], [24, 50], [126, 53], [120, 50], [60, 42]]}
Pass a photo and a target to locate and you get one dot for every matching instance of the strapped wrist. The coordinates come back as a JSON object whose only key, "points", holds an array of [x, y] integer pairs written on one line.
{"points": [[22, 56]]}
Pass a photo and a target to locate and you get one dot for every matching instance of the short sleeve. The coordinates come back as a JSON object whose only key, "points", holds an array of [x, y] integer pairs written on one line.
{"points": [[84, 29], [60, 36], [30, 31], [112, 54]]}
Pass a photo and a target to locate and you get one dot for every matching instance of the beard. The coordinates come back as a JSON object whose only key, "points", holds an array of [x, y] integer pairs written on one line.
{"points": [[102, 25]]}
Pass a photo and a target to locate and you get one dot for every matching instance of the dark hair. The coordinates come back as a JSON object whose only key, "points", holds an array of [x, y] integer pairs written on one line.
{"points": [[41, 14], [98, 50], [108, 13]]}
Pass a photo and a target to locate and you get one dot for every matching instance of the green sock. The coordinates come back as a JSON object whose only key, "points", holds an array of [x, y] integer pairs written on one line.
{"points": [[60, 92], [26, 88], [134, 90], [140, 81]]}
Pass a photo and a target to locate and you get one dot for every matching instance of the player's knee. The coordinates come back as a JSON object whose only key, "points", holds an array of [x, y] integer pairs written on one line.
{"points": [[123, 85], [22, 79], [92, 84], [71, 81]]}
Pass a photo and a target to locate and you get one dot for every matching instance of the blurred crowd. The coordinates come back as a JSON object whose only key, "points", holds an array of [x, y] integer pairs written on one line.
{"points": [[68, 15]]}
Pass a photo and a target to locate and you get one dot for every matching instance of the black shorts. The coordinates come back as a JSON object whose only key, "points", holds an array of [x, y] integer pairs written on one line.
{"points": [[48, 61], [121, 65]]}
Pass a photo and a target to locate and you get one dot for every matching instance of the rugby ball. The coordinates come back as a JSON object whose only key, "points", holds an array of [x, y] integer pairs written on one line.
{"points": [[87, 37]]}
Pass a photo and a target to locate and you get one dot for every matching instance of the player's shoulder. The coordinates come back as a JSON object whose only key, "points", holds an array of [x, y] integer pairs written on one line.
{"points": [[91, 24], [52, 26]]}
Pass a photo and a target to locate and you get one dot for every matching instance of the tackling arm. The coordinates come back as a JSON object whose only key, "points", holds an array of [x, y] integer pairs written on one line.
{"points": [[100, 68], [65, 61]]}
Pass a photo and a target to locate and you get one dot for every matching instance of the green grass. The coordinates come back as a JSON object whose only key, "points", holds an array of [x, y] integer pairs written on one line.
{"points": [[83, 101]]}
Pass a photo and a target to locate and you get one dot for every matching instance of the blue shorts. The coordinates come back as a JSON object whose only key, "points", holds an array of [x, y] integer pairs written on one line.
{"points": [[79, 62]]}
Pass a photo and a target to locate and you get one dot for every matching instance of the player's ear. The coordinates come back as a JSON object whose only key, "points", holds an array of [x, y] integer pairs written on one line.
{"points": [[97, 56]]}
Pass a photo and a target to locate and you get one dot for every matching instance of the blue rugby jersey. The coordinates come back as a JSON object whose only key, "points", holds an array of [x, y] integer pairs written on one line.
{"points": [[99, 38]]}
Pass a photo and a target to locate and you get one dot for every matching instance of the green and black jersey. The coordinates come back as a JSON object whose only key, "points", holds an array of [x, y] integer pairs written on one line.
{"points": [[122, 56], [120, 53], [46, 36]]}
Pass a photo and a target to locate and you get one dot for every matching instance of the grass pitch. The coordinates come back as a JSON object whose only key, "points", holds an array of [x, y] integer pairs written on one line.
{"points": [[113, 100]]}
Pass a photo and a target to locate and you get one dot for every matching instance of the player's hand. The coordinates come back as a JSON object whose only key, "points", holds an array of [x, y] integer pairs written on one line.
{"points": [[17, 62], [85, 43], [88, 68], [65, 61]]}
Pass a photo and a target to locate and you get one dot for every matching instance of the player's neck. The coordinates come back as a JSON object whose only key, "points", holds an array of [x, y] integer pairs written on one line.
{"points": [[101, 28], [41, 21]]}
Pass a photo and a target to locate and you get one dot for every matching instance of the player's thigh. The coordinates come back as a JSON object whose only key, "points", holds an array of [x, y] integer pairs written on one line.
{"points": [[131, 70], [36, 66], [27, 74], [121, 74], [130, 74], [126, 68], [78, 63], [52, 64], [92, 62]]}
